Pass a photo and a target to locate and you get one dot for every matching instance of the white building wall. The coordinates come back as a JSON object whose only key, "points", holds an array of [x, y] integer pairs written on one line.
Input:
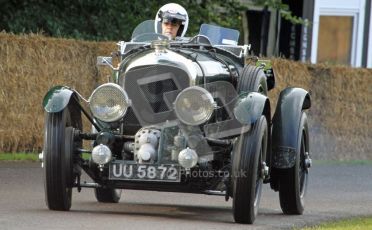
{"points": [[369, 53]]}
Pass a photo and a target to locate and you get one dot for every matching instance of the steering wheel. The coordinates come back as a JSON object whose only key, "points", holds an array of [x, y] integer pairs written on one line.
{"points": [[149, 37], [200, 39]]}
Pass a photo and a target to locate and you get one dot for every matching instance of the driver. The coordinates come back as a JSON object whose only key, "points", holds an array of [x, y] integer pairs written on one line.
{"points": [[171, 20]]}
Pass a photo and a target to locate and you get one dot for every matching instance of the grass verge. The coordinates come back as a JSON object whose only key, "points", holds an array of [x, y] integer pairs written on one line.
{"points": [[349, 224], [26, 156], [19, 156]]}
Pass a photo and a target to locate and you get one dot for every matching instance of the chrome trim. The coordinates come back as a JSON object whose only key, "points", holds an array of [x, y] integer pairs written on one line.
{"points": [[167, 57]]}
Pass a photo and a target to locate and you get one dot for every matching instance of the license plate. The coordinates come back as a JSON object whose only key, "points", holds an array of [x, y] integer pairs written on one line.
{"points": [[144, 172]]}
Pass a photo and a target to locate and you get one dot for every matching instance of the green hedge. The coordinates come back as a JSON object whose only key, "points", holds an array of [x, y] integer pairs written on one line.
{"points": [[106, 19]]}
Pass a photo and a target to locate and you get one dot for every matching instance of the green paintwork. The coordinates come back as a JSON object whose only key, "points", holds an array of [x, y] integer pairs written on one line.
{"points": [[57, 99]]}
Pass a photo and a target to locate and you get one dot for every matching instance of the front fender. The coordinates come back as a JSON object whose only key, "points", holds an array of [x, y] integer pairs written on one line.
{"points": [[286, 122], [57, 98], [249, 108]]}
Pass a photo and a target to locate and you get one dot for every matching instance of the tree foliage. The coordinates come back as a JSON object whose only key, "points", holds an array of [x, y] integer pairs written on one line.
{"points": [[282, 8], [111, 19], [105, 19]]}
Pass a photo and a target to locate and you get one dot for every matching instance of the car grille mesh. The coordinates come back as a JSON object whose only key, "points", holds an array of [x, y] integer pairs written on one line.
{"points": [[152, 90], [154, 94]]}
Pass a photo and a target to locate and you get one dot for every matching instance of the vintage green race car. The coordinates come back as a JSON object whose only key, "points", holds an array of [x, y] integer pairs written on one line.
{"points": [[186, 115]]}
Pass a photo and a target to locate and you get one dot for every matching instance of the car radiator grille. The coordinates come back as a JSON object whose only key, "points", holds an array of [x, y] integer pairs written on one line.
{"points": [[152, 90]]}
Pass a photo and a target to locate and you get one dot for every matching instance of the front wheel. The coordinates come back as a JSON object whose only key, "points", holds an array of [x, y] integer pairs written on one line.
{"points": [[248, 171], [293, 181], [58, 160]]}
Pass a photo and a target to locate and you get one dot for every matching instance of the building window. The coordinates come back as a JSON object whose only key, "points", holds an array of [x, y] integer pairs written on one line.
{"points": [[338, 27], [335, 39]]}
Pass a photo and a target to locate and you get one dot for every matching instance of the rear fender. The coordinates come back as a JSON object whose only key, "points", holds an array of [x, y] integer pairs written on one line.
{"points": [[286, 122]]}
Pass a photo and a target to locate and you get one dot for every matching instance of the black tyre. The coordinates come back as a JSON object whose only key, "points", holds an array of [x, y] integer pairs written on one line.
{"points": [[248, 171], [252, 79], [107, 195], [293, 181], [58, 160]]}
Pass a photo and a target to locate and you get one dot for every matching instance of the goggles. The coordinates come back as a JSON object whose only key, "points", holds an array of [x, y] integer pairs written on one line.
{"points": [[174, 19]]}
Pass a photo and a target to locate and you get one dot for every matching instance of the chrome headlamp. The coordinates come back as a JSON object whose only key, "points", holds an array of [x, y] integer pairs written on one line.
{"points": [[109, 102], [194, 105]]}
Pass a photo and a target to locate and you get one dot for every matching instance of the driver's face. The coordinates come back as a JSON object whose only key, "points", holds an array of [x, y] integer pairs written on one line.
{"points": [[170, 29]]}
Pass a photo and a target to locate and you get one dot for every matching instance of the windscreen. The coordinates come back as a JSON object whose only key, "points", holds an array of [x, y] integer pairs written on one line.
{"points": [[220, 35], [143, 28], [145, 32]]}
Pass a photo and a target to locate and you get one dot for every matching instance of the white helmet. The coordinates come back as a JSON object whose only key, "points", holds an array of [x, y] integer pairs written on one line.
{"points": [[172, 12]]}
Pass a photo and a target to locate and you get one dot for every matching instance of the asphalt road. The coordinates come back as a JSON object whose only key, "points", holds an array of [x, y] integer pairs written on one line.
{"points": [[334, 191]]}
